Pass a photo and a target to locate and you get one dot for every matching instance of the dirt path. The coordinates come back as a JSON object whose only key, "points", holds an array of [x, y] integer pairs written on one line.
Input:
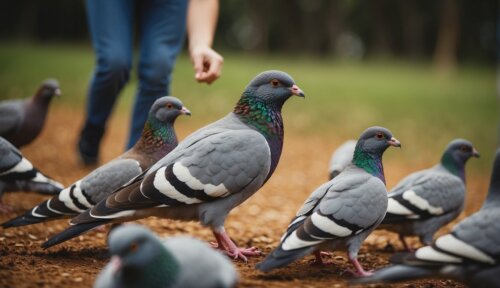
{"points": [[260, 221]]}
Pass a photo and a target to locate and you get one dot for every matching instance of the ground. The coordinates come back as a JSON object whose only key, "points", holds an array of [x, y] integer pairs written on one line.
{"points": [[258, 222]]}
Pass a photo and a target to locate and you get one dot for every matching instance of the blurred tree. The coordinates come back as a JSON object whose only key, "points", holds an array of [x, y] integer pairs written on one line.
{"points": [[413, 28], [381, 34], [448, 35]]}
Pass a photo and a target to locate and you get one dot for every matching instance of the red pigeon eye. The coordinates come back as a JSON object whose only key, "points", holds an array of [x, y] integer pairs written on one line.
{"points": [[169, 105], [133, 247], [275, 83], [379, 135], [465, 149]]}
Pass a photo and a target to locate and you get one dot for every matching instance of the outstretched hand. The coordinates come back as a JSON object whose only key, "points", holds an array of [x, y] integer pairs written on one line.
{"points": [[207, 64]]}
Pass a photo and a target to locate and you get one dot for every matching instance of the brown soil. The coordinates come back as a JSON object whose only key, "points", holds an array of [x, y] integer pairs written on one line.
{"points": [[258, 222]]}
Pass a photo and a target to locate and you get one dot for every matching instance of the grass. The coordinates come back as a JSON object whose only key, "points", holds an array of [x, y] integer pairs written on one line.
{"points": [[425, 110]]}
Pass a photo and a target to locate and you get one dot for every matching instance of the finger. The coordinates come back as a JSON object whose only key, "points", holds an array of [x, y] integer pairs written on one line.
{"points": [[213, 72], [198, 66]]}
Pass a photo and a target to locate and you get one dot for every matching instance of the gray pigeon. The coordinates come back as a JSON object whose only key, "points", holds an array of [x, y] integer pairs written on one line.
{"points": [[212, 171], [157, 140], [341, 213], [427, 200], [21, 121], [18, 174], [341, 158], [140, 259], [470, 253]]}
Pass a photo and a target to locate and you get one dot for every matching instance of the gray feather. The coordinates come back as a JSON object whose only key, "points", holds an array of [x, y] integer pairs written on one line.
{"points": [[341, 157], [107, 178], [11, 116]]}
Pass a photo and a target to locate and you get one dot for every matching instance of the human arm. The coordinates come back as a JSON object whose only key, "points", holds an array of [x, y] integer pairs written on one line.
{"points": [[201, 23]]}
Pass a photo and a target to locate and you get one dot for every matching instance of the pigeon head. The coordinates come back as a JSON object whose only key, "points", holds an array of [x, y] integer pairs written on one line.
{"points": [[370, 147], [135, 248], [158, 134], [48, 89], [167, 108], [375, 140], [272, 88], [261, 102], [456, 155]]}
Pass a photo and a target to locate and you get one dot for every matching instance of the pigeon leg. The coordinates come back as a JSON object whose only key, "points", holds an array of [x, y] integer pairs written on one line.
{"points": [[359, 272], [227, 245], [406, 245], [318, 261]]}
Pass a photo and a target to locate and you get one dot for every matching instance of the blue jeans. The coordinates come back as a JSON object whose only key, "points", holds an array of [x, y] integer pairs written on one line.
{"points": [[161, 32]]}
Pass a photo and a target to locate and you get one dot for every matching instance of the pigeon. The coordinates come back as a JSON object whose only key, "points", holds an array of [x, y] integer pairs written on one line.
{"points": [[427, 200], [341, 158], [341, 213], [18, 174], [21, 121], [140, 259], [210, 172], [470, 253], [157, 140]]}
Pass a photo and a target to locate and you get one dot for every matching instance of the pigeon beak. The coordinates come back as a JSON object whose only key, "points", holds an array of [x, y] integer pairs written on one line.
{"points": [[57, 92], [116, 263], [475, 153], [297, 91], [394, 142], [185, 111]]}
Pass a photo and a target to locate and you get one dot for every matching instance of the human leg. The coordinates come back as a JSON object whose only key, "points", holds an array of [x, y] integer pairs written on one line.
{"points": [[111, 29], [162, 32]]}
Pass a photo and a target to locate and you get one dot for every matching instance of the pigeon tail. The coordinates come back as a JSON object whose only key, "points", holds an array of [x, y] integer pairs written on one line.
{"points": [[279, 258], [71, 232], [23, 220]]}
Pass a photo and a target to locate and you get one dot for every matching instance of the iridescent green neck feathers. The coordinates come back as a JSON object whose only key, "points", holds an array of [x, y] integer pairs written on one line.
{"points": [[371, 163], [262, 116]]}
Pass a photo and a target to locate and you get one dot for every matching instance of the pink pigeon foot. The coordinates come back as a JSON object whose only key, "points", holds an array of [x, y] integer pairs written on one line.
{"points": [[4, 208], [227, 246], [101, 229], [359, 272]]}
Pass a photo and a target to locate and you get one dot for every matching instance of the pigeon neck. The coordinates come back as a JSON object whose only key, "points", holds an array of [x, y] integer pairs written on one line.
{"points": [[157, 136], [262, 116], [40, 99], [371, 163], [266, 119], [453, 165], [163, 269]]}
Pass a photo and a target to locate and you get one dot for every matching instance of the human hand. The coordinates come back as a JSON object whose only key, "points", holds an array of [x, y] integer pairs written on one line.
{"points": [[207, 64]]}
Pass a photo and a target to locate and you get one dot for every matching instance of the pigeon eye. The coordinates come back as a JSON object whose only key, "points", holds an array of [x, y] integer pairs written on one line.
{"points": [[464, 149], [275, 83], [379, 135], [169, 105], [133, 247]]}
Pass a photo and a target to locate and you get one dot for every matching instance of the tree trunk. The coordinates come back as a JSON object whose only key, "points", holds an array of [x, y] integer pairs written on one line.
{"points": [[445, 54], [413, 36]]}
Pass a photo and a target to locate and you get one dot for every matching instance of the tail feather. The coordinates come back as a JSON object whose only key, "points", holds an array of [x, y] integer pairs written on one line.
{"points": [[396, 273], [279, 258], [72, 232], [22, 220], [39, 214]]}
